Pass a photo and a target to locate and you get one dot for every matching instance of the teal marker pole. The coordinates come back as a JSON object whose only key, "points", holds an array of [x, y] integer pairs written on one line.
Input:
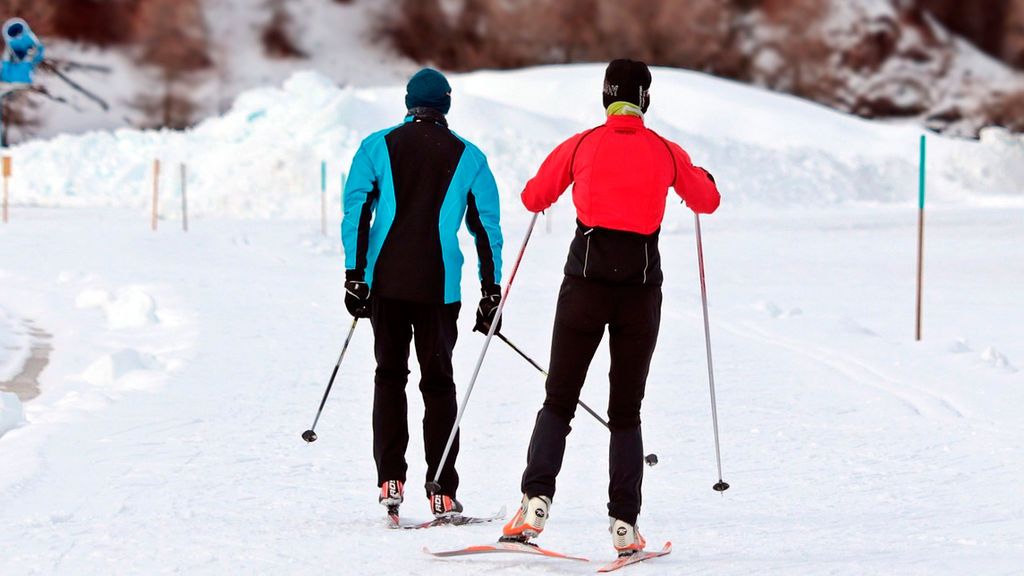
{"points": [[920, 237], [323, 197]]}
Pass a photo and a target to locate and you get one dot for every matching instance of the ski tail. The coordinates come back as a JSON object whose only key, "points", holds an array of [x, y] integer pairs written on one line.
{"points": [[623, 561]]}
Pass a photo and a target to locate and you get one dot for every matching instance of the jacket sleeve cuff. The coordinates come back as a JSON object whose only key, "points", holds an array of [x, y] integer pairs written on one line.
{"points": [[356, 275]]}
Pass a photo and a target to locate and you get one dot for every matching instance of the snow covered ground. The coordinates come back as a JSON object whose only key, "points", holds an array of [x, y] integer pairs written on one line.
{"points": [[167, 435], [185, 366]]}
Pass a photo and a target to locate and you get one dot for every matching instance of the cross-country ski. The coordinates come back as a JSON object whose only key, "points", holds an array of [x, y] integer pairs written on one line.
{"points": [[506, 547], [396, 521]]}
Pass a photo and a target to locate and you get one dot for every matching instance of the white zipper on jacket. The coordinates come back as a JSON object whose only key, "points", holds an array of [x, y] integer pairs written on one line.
{"points": [[586, 257], [647, 262]]}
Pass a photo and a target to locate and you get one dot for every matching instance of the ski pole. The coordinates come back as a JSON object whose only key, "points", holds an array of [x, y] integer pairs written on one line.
{"points": [[651, 459], [433, 487], [721, 485], [310, 435]]}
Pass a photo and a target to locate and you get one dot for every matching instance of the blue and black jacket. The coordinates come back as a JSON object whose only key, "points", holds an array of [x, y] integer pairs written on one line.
{"points": [[408, 191]]}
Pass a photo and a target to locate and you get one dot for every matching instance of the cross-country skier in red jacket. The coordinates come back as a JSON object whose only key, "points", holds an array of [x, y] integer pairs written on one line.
{"points": [[620, 172]]}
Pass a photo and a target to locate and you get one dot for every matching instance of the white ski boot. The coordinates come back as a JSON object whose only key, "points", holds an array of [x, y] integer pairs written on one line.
{"points": [[626, 538], [529, 519]]}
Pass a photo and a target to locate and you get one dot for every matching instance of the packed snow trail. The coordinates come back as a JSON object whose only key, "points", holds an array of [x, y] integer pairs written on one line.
{"points": [[185, 367]]}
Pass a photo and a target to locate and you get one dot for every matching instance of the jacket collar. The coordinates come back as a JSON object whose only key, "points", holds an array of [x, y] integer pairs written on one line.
{"points": [[624, 121], [424, 114]]}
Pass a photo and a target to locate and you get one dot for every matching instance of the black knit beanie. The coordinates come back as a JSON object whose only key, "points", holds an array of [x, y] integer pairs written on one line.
{"points": [[627, 81], [428, 88]]}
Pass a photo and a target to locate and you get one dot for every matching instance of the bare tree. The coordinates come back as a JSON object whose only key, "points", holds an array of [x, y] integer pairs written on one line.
{"points": [[1013, 47], [418, 29], [99, 22], [20, 115], [172, 39], [38, 14], [277, 37]]}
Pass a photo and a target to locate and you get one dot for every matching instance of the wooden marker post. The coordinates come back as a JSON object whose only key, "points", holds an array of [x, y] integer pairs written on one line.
{"points": [[7, 177], [920, 237], [184, 199], [323, 197], [156, 190]]}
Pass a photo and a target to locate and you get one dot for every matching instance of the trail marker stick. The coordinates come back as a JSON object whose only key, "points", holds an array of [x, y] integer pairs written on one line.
{"points": [[7, 177], [920, 238], [3, 144], [323, 197], [184, 200], [156, 191]]}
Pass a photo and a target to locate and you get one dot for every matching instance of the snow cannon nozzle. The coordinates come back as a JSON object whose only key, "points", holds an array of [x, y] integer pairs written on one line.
{"points": [[720, 486], [651, 459], [309, 436], [433, 488], [15, 27]]}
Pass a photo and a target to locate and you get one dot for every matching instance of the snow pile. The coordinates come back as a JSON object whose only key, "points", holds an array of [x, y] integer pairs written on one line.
{"points": [[111, 368], [995, 358], [11, 414], [262, 158], [128, 308]]}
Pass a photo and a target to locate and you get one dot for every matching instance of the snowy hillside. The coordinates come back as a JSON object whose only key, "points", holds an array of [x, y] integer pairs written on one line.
{"points": [[334, 36], [185, 366], [875, 58], [263, 157]]}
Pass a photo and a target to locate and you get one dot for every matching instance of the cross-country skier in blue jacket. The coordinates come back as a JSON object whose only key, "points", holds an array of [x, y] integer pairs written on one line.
{"points": [[408, 191]]}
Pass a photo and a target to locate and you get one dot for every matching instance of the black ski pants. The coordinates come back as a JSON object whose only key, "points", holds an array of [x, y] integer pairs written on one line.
{"points": [[632, 315], [395, 322]]}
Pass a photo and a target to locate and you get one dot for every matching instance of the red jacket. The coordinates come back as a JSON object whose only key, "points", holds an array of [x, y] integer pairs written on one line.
{"points": [[622, 171]]}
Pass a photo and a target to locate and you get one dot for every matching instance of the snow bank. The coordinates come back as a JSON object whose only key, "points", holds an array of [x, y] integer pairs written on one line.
{"points": [[11, 414], [262, 158], [129, 308], [112, 367], [14, 345]]}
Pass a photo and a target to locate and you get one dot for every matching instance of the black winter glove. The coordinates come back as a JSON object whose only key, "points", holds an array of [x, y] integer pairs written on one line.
{"points": [[487, 309], [710, 177], [357, 296]]}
